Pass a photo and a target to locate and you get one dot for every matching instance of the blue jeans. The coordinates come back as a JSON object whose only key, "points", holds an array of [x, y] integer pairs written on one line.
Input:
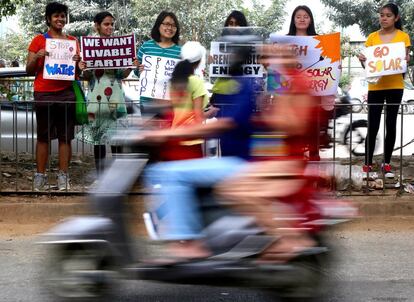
{"points": [[179, 181]]}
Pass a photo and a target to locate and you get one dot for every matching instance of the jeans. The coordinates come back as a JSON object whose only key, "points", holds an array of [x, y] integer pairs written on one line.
{"points": [[179, 181]]}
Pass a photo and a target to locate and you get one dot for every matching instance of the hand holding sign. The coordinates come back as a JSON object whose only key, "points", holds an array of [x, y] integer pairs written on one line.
{"points": [[41, 54]]}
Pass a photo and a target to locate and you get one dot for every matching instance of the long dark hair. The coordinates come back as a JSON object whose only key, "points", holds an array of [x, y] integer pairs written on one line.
{"points": [[310, 31], [182, 71], [155, 31], [99, 17], [55, 7], [394, 9], [238, 16]]}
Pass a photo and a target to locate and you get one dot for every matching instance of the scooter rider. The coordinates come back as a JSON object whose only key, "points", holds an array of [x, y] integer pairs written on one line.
{"points": [[180, 179]]}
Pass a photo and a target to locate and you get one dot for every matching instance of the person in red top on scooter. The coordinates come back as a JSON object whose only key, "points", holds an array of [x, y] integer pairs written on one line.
{"points": [[279, 187]]}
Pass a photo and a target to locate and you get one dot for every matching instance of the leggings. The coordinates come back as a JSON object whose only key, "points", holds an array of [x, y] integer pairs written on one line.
{"points": [[376, 100]]}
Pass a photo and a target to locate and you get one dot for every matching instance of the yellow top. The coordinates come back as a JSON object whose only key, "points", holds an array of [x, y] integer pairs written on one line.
{"points": [[394, 81], [183, 106]]}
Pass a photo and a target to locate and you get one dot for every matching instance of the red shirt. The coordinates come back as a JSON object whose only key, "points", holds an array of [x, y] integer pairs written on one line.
{"points": [[41, 84]]}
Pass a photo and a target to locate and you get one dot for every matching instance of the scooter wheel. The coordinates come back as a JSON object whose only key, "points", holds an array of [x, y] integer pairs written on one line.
{"points": [[308, 282], [79, 272]]}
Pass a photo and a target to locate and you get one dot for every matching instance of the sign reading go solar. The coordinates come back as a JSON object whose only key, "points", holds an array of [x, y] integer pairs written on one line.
{"points": [[385, 59]]}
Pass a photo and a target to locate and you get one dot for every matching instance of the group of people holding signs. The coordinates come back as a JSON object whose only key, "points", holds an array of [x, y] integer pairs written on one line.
{"points": [[165, 69], [302, 68]]}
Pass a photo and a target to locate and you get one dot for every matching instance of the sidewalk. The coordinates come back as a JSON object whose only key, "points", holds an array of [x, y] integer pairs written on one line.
{"points": [[44, 209]]}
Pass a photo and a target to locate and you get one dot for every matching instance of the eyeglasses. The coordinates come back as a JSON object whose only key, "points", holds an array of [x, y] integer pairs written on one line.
{"points": [[169, 25]]}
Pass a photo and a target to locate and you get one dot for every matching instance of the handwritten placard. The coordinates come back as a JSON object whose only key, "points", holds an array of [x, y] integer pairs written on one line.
{"points": [[220, 56], [319, 59], [108, 52], [59, 64], [154, 80], [385, 59]]}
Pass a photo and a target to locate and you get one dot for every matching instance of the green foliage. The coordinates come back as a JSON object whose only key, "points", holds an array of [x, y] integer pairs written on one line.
{"points": [[346, 49], [81, 13], [259, 16], [199, 20], [365, 13], [8, 7], [13, 46], [345, 80]]}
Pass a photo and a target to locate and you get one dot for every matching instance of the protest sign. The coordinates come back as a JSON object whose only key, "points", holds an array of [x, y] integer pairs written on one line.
{"points": [[319, 59], [154, 79], [385, 59], [108, 52], [59, 64], [220, 62]]}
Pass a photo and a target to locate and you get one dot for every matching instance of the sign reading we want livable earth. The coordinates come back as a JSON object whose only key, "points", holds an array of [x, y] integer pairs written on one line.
{"points": [[108, 52]]}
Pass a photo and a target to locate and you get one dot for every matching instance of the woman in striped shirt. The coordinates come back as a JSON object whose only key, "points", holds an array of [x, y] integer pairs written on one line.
{"points": [[165, 36]]}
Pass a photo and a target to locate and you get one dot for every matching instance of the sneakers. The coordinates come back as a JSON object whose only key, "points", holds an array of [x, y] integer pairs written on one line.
{"points": [[386, 169], [63, 181], [368, 173], [40, 182]]}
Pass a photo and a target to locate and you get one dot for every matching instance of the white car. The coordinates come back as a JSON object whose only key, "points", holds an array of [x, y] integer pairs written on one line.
{"points": [[358, 93]]}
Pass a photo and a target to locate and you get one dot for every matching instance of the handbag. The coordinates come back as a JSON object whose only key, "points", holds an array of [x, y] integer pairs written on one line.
{"points": [[80, 104]]}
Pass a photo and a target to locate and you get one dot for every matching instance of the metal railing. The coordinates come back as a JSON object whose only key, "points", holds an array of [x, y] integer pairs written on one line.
{"points": [[346, 149]]}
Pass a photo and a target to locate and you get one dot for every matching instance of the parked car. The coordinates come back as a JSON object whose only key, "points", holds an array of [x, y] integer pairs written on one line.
{"points": [[18, 119], [358, 93]]}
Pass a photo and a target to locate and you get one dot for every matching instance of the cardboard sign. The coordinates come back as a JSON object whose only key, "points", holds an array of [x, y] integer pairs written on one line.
{"points": [[154, 80], [319, 58], [108, 52], [385, 59], [59, 64], [220, 62]]}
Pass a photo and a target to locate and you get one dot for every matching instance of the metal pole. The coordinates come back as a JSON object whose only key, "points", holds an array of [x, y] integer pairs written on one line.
{"points": [[401, 189]]}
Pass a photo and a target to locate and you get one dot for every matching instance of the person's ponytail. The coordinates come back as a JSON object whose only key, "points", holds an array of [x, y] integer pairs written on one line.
{"points": [[182, 71]]}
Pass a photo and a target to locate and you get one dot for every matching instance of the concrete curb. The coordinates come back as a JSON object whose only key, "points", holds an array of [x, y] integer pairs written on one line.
{"points": [[51, 209]]}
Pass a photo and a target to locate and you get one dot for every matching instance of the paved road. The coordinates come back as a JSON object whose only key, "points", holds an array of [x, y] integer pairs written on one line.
{"points": [[375, 266]]}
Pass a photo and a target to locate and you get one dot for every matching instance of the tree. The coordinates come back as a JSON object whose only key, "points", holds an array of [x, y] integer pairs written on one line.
{"points": [[266, 18], [199, 20], [202, 20], [13, 46], [365, 13], [81, 13], [9, 7]]}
